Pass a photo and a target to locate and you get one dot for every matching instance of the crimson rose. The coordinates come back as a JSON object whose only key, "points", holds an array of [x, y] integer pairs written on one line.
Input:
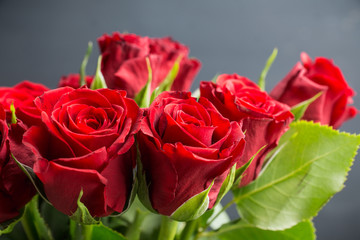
{"points": [[15, 188], [124, 62], [73, 80], [185, 144], [85, 142], [264, 119], [22, 96], [308, 78]]}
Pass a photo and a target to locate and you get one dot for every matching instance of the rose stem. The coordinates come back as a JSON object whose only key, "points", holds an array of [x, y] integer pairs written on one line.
{"points": [[189, 230], [133, 232], [168, 229]]}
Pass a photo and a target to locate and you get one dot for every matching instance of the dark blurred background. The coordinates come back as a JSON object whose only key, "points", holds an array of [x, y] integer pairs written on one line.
{"points": [[42, 40]]}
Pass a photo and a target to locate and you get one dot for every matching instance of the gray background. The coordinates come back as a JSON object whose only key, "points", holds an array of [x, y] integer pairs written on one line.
{"points": [[42, 40]]}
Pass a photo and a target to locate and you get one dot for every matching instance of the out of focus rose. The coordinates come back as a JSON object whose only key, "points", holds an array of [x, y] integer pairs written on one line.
{"points": [[308, 78], [124, 62], [22, 96], [73, 80], [263, 119]]}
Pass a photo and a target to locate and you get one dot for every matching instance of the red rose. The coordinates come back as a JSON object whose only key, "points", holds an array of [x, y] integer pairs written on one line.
{"points": [[86, 142], [185, 144], [22, 96], [307, 79], [73, 80], [15, 188], [264, 119], [124, 62]]}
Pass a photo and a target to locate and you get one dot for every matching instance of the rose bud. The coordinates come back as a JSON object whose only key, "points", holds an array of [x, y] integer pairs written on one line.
{"points": [[85, 143], [186, 147], [73, 80], [263, 119], [22, 96], [15, 188], [308, 78], [124, 59]]}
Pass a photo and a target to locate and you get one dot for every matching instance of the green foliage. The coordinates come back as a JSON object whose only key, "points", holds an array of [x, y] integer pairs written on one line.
{"points": [[13, 115], [84, 63], [309, 166], [299, 109], [98, 81], [266, 69], [227, 184], [143, 97], [194, 207], [302, 231], [168, 81], [102, 232], [33, 223], [82, 214]]}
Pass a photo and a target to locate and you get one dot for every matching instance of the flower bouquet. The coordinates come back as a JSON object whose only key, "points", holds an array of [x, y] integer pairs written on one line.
{"points": [[130, 153]]}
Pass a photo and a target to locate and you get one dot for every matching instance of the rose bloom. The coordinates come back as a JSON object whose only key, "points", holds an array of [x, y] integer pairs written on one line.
{"points": [[124, 62], [15, 188], [73, 80], [85, 142], [22, 96], [308, 78], [263, 119], [185, 144]]}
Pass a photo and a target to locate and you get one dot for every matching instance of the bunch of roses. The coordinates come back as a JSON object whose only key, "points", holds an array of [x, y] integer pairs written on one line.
{"points": [[76, 139]]}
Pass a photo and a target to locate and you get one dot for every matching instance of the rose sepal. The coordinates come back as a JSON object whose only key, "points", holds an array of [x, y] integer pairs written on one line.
{"points": [[29, 172], [194, 207], [82, 214], [227, 184], [8, 226], [143, 97], [168, 81], [240, 171], [299, 109], [142, 187]]}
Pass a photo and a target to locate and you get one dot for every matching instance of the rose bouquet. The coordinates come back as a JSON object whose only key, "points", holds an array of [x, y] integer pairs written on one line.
{"points": [[130, 153]]}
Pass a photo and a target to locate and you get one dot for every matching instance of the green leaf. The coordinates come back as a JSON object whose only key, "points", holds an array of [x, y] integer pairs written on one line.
{"points": [[82, 214], [194, 207], [8, 226], [98, 81], [33, 224], [57, 221], [102, 232], [308, 168], [13, 115], [227, 184], [299, 109], [143, 97], [266, 69], [168, 81], [84, 63], [302, 231]]}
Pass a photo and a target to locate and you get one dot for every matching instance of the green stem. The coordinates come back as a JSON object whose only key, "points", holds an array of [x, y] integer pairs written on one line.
{"points": [[189, 230], [86, 231], [134, 230], [168, 229]]}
